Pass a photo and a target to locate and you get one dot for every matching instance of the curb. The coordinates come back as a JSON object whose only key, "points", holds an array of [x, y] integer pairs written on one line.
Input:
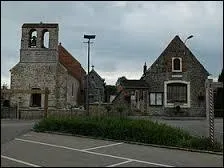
{"points": [[132, 142]]}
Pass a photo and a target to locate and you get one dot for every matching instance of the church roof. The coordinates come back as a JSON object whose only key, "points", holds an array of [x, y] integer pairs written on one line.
{"points": [[70, 63], [96, 74]]}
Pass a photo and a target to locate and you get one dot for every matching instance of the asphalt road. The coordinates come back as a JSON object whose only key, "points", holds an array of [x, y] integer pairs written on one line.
{"points": [[51, 150], [13, 128]]}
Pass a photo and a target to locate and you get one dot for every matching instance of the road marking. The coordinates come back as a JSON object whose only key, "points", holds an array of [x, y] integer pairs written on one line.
{"points": [[95, 153], [102, 146], [42, 143], [120, 163], [19, 161]]}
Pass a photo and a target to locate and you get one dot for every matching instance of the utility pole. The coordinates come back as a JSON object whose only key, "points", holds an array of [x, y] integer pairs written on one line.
{"points": [[87, 81]]}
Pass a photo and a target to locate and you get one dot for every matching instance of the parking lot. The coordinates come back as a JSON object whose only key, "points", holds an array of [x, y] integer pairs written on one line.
{"points": [[50, 150]]}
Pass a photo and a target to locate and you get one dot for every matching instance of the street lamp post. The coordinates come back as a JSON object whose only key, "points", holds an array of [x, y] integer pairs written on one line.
{"points": [[188, 38], [185, 43], [87, 83]]}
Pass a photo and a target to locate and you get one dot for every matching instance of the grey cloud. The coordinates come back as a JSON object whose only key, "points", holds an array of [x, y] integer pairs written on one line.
{"points": [[127, 33]]}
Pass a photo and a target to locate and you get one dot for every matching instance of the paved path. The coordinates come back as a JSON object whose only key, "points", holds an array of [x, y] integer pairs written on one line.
{"points": [[50, 150], [13, 128]]}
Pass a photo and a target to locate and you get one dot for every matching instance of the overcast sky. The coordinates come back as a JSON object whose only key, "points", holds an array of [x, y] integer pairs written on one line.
{"points": [[128, 34]]}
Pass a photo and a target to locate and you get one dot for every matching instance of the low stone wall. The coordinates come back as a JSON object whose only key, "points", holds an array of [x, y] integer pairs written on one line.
{"points": [[108, 109], [66, 112], [27, 114], [103, 109], [30, 114]]}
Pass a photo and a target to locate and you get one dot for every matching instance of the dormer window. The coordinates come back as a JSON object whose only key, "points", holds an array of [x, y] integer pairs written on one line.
{"points": [[176, 64]]}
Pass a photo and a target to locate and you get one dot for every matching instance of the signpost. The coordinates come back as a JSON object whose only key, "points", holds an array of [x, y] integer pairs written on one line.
{"points": [[210, 86]]}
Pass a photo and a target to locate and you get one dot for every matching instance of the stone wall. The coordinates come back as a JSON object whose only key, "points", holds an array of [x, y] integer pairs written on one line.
{"points": [[72, 98], [33, 75], [38, 55]]}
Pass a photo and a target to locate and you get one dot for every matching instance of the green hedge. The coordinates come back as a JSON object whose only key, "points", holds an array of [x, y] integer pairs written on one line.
{"points": [[144, 131]]}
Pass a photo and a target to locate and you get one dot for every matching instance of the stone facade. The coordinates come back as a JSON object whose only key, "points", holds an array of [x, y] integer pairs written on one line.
{"points": [[193, 74], [96, 87], [40, 67]]}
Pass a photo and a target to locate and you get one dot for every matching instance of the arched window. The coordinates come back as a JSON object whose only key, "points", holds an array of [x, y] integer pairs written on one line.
{"points": [[45, 39], [177, 64], [33, 38]]}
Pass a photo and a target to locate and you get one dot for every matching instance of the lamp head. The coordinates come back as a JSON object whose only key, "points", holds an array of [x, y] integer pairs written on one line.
{"points": [[89, 36], [190, 36]]}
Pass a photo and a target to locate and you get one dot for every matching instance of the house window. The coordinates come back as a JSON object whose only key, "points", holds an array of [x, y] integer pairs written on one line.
{"points": [[156, 99], [177, 92], [36, 98], [176, 64]]}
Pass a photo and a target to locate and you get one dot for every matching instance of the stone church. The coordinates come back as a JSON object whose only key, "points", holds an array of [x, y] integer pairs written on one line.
{"points": [[45, 63]]}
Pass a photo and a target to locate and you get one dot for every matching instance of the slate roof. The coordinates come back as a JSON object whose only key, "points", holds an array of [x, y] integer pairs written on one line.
{"points": [[94, 72], [128, 84], [70, 63]]}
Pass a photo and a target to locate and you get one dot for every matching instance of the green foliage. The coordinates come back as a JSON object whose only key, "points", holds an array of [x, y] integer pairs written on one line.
{"points": [[108, 108], [111, 89], [220, 79], [218, 99], [145, 131]]}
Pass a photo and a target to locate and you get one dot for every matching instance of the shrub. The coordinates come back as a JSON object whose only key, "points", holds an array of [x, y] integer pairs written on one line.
{"points": [[145, 131]]}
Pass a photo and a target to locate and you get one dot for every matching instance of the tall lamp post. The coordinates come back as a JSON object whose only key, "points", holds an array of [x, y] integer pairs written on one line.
{"points": [[188, 38], [87, 83], [185, 43]]}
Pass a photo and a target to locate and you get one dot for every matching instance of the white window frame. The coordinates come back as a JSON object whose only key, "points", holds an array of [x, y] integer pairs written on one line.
{"points": [[173, 70], [171, 105], [156, 104]]}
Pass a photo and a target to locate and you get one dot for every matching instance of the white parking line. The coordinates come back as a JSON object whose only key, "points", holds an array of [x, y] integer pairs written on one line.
{"points": [[95, 153], [102, 146], [19, 161], [120, 163]]}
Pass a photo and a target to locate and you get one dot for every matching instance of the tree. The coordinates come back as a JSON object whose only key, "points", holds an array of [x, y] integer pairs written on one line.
{"points": [[120, 80], [220, 79], [218, 99], [110, 90]]}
